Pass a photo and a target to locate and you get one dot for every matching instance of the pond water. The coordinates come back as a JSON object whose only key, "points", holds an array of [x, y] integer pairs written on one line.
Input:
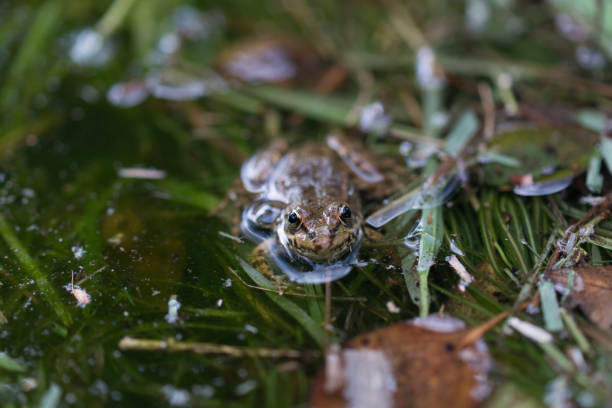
{"points": [[120, 282]]}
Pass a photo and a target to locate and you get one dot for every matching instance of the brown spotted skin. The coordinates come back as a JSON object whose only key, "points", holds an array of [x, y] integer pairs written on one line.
{"points": [[312, 184]]}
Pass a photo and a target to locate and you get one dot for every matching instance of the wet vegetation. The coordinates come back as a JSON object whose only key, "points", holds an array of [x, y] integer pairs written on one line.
{"points": [[123, 125]]}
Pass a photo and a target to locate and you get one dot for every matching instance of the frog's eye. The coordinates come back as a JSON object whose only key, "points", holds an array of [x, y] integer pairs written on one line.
{"points": [[293, 218], [345, 212]]}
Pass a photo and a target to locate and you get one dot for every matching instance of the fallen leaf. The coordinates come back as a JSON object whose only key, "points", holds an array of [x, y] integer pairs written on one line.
{"points": [[418, 363], [591, 290]]}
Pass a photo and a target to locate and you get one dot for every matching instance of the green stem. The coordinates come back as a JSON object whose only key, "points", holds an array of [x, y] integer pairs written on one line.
{"points": [[114, 16]]}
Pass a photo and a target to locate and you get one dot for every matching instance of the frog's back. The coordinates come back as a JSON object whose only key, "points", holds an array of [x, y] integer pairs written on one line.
{"points": [[310, 172]]}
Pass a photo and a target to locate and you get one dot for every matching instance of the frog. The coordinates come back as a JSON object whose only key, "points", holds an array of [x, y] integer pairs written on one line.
{"points": [[307, 212]]}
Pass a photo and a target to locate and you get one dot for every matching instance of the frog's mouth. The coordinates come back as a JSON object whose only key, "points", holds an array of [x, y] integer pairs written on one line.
{"points": [[326, 250]]}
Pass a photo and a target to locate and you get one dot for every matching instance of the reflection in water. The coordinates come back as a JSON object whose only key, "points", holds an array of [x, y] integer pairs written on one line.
{"points": [[543, 188], [420, 198], [146, 250], [303, 270]]}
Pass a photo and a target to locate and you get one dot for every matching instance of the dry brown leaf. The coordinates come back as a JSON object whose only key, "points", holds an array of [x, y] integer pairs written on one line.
{"points": [[591, 291], [417, 363]]}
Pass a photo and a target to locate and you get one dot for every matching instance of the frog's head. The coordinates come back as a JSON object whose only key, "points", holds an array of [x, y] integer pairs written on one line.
{"points": [[322, 231]]}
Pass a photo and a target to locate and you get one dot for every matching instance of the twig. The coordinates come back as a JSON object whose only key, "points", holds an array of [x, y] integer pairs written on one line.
{"points": [[327, 322], [597, 213], [128, 343], [301, 295], [602, 210], [488, 107], [404, 24], [414, 136], [478, 331]]}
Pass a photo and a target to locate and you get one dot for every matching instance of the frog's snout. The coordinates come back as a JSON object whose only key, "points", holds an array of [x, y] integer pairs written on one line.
{"points": [[322, 241]]}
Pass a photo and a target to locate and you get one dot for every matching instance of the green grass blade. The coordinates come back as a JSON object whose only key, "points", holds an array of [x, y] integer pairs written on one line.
{"points": [[320, 107], [312, 327], [606, 152], [189, 194], [10, 365], [431, 238], [550, 307], [591, 119], [31, 268], [465, 128], [594, 179]]}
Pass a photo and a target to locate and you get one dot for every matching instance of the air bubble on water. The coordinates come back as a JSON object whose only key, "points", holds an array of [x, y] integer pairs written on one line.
{"points": [[477, 14], [127, 94], [558, 393], [373, 118], [176, 86], [204, 391], [245, 387], [571, 29], [169, 43], [227, 283], [78, 252], [28, 192], [264, 64], [193, 24], [116, 395], [89, 94], [592, 200], [90, 48], [250, 328], [405, 148], [589, 57], [70, 398], [176, 397], [219, 302]]}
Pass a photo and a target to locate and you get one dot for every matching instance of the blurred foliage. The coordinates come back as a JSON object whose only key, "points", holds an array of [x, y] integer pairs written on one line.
{"points": [[62, 144]]}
